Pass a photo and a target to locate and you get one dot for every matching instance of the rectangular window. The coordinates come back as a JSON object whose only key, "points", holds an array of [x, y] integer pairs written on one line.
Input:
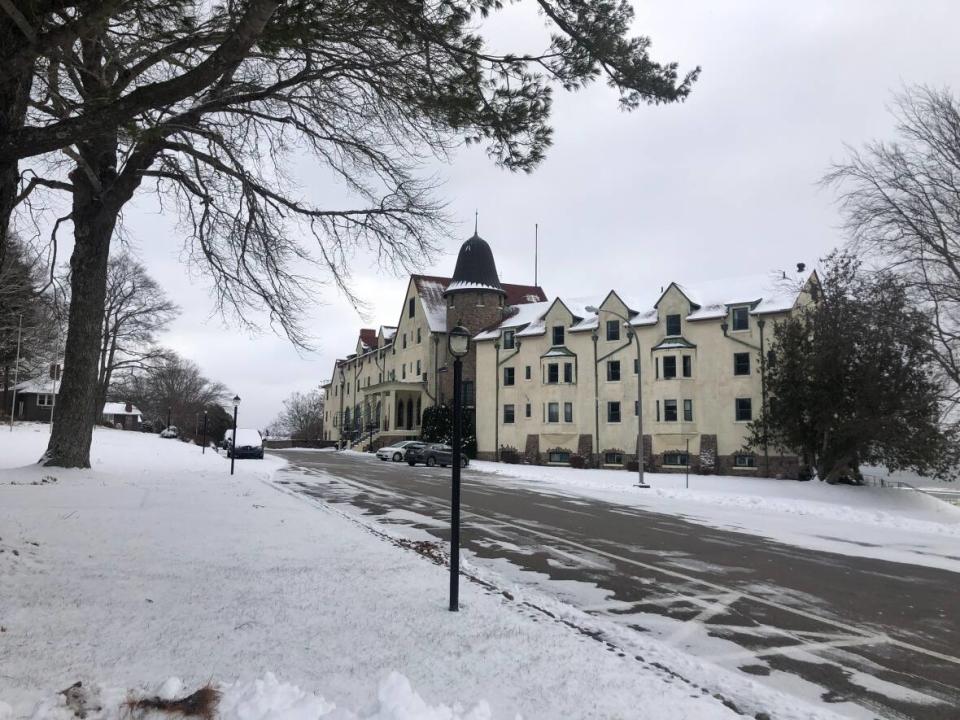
{"points": [[741, 363], [744, 411], [676, 458], [658, 411], [613, 371], [568, 372], [613, 458], [528, 411], [744, 461], [553, 374], [636, 366], [418, 336], [404, 340], [559, 456], [558, 335], [656, 368], [613, 411], [741, 318], [418, 367], [469, 393], [403, 371], [673, 324], [411, 307], [688, 410], [613, 329], [568, 412], [553, 412], [670, 366], [687, 366], [508, 414], [508, 340], [527, 372], [669, 410], [508, 376], [45, 400], [636, 408]]}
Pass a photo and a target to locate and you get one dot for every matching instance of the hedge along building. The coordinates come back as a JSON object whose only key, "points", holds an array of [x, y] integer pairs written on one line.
{"points": [[378, 393], [560, 378]]}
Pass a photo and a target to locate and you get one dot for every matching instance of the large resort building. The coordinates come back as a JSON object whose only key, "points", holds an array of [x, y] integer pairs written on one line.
{"points": [[552, 379]]}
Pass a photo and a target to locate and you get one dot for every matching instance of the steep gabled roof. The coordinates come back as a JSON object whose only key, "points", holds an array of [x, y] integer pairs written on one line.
{"points": [[431, 288]]}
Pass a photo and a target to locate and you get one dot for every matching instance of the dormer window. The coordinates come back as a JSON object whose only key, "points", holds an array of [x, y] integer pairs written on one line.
{"points": [[508, 340], [558, 335], [613, 330], [673, 325], [741, 318]]}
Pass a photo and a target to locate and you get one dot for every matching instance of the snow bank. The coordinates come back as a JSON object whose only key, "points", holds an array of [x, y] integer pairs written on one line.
{"points": [[899, 525], [266, 698]]}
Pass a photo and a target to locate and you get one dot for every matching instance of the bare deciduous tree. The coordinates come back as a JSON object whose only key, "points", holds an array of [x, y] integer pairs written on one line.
{"points": [[136, 310], [175, 386], [302, 416], [902, 205]]}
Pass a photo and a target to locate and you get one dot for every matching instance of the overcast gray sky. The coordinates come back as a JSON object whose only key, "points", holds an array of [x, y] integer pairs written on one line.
{"points": [[722, 185]]}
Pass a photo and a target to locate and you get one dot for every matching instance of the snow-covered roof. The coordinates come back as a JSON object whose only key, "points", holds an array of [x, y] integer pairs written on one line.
{"points": [[115, 408], [764, 293], [431, 289], [43, 386], [388, 332], [463, 285]]}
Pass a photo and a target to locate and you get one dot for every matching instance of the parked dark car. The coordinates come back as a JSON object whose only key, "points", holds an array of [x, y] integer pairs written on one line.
{"points": [[433, 454]]}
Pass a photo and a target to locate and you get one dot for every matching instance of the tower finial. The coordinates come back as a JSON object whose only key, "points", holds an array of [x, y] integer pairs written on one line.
{"points": [[476, 215]]}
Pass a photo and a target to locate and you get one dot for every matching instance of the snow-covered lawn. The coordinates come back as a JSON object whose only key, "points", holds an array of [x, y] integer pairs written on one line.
{"points": [[156, 572], [898, 525]]}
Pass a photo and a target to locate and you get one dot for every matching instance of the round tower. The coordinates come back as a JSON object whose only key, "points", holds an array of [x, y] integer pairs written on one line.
{"points": [[475, 299]]}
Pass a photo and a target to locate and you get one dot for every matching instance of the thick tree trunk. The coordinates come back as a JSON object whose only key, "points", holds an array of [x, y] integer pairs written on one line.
{"points": [[93, 228], [14, 93]]}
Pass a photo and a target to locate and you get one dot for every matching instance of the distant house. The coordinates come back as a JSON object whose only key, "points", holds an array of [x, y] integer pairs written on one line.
{"points": [[35, 399], [122, 416]]}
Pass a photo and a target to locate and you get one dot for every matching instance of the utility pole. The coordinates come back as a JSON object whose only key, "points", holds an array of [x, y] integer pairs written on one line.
{"points": [[16, 370]]}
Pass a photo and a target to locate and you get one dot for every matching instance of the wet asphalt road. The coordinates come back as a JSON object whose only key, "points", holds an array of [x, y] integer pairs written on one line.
{"points": [[883, 636]]}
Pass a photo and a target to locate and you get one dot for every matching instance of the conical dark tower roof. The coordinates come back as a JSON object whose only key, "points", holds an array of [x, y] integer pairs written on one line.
{"points": [[476, 269]]}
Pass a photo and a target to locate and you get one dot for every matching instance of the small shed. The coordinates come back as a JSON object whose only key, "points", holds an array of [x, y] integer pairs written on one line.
{"points": [[122, 416]]}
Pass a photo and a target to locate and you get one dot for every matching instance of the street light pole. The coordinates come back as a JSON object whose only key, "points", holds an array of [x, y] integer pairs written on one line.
{"points": [[233, 445], [204, 451], [459, 346], [631, 334], [168, 416]]}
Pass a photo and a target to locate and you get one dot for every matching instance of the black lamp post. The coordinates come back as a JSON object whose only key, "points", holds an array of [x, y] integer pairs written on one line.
{"points": [[233, 445], [168, 416], [204, 451], [458, 343]]}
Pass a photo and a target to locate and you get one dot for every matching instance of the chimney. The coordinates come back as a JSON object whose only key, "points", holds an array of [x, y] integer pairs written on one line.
{"points": [[801, 267], [128, 408]]}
